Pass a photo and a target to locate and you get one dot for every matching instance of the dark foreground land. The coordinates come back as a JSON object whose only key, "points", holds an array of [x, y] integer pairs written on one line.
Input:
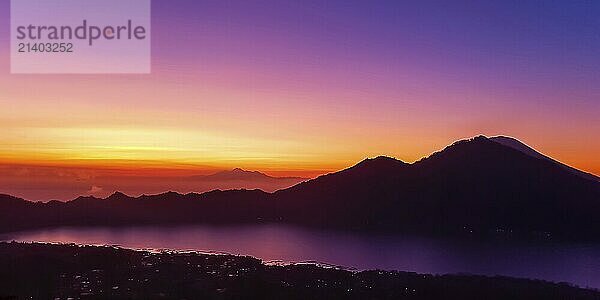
{"points": [[43, 271]]}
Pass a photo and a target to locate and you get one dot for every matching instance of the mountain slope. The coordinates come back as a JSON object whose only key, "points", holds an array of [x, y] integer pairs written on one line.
{"points": [[518, 145]]}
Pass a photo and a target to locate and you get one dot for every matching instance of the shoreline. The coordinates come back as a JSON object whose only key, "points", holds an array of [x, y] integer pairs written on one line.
{"points": [[449, 255], [43, 270]]}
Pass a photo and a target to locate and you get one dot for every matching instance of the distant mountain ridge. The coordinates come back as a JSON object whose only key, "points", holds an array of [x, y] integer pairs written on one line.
{"points": [[474, 186], [241, 174], [239, 179]]}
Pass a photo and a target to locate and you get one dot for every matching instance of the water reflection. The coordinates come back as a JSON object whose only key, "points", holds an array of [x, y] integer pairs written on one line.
{"points": [[578, 264]]}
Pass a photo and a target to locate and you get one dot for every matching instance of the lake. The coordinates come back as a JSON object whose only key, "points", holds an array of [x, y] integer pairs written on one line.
{"points": [[574, 263]]}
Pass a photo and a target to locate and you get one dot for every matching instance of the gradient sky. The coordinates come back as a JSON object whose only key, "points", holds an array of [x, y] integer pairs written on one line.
{"points": [[306, 87]]}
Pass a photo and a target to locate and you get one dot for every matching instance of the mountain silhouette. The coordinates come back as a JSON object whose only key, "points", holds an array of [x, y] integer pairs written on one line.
{"points": [[238, 179], [475, 186], [518, 145], [472, 185], [241, 174]]}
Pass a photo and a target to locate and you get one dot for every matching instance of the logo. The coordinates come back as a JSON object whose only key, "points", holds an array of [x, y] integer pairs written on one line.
{"points": [[80, 36]]}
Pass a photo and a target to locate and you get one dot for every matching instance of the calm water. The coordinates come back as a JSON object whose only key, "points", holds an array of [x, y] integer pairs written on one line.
{"points": [[578, 264]]}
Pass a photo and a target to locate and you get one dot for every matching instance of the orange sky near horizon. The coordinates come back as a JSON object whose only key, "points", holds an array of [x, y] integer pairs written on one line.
{"points": [[125, 121]]}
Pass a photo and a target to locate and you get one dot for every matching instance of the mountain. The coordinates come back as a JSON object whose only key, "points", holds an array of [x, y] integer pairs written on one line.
{"points": [[238, 174], [237, 179], [474, 186]]}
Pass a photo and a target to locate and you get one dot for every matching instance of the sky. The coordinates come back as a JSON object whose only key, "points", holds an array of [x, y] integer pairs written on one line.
{"points": [[302, 88]]}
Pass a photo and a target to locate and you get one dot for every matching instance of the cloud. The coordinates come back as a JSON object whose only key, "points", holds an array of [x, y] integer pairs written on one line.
{"points": [[94, 190]]}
